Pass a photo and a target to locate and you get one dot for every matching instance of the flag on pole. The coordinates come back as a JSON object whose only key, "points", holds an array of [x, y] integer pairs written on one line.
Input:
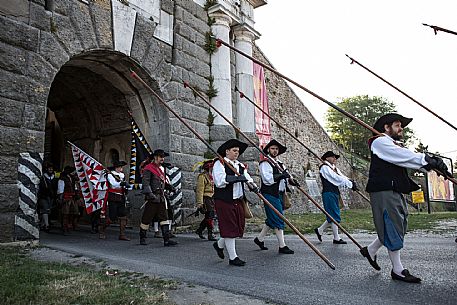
{"points": [[139, 151], [92, 179]]}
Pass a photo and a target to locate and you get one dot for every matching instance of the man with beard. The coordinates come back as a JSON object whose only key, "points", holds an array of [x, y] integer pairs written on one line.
{"points": [[332, 179], [46, 194], [154, 185], [228, 196], [273, 188], [388, 181]]}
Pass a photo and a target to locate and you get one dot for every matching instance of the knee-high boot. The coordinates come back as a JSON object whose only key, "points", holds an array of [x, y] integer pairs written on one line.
{"points": [[210, 226], [143, 237], [122, 225], [166, 236], [200, 229]]}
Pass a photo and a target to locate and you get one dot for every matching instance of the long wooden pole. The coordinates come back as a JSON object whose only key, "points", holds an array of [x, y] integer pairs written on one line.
{"points": [[401, 91], [242, 95], [273, 161], [437, 29], [221, 159], [220, 42]]}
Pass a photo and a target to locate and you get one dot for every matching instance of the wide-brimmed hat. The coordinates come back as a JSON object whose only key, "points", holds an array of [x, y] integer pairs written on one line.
{"points": [[282, 148], [390, 118], [329, 154], [230, 144], [119, 163], [159, 152]]}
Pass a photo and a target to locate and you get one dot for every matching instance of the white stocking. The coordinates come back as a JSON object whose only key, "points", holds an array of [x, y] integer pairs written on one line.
{"points": [[396, 262], [336, 236], [324, 226], [280, 236], [156, 227], [221, 243], [263, 233], [45, 219], [230, 245], [374, 247]]}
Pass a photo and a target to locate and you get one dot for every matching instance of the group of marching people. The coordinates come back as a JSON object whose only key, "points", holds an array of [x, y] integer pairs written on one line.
{"points": [[221, 191]]}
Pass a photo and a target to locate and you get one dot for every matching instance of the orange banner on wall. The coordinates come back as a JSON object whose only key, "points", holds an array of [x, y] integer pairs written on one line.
{"points": [[262, 121]]}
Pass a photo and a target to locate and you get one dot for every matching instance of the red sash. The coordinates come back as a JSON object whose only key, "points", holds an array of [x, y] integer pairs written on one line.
{"points": [[156, 170]]}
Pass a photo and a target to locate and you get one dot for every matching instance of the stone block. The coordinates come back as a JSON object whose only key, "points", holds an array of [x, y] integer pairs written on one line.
{"points": [[221, 133], [7, 227], [18, 34], [66, 34], [34, 117], [153, 57], [188, 179], [13, 86], [167, 6], [195, 113], [175, 143], [40, 18], [12, 113], [40, 69], [8, 174], [178, 14], [82, 23], [52, 51], [101, 15], [37, 93], [143, 35], [193, 146], [39, 2], [188, 198], [17, 10], [12, 59], [61, 7], [184, 161]]}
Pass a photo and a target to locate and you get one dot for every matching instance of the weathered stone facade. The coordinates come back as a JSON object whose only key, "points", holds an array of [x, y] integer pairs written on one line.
{"points": [[65, 74]]}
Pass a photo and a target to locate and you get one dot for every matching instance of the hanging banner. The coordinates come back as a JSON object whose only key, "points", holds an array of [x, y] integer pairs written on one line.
{"points": [[262, 122], [440, 189]]}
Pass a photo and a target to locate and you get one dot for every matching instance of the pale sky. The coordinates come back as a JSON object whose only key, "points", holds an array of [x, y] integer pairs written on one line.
{"points": [[308, 40]]}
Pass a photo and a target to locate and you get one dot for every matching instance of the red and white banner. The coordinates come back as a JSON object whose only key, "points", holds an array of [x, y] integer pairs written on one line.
{"points": [[262, 122], [92, 179]]}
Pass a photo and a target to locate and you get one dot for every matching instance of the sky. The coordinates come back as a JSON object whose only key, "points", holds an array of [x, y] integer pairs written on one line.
{"points": [[307, 41]]}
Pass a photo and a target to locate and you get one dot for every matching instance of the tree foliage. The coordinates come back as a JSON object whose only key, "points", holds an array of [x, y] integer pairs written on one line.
{"points": [[351, 135]]}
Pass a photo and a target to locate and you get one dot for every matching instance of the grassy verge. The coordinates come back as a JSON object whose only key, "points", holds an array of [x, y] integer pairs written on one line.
{"points": [[361, 220], [24, 280]]}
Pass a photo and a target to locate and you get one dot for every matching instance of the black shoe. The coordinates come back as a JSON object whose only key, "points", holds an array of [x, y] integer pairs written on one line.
{"points": [[373, 263], [261, 244], [220, 252], [286, 250], [169, 243], [237, 262], [316, 230], [407, 277], [200, 234], [339, 242]]}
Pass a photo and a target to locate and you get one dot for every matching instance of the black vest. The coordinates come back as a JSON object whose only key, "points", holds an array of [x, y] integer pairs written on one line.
{"points": [[273, 189], [327, 186], [226, 193], [385, 176]]}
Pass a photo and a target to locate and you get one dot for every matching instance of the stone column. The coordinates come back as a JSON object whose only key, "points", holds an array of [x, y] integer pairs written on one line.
{"points": [[220, 68], [244, 79]]}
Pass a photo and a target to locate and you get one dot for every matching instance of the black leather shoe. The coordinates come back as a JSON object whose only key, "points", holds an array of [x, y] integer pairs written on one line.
{"points": [[407, 277], [286, 250], [318, 235], [339, 242], [169, 243], [237, 262], [373, 263], [261, 244], [220, 252]]}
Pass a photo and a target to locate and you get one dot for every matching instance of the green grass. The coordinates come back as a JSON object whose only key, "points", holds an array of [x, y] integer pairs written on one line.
{"points": [[24, 280], [362, 220]]}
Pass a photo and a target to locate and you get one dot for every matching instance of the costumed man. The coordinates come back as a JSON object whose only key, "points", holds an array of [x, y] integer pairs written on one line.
{"points": [[332, 179], [387, 182], [154, 185], [228, 196], [117, 189], [66, 196], [47, 191], [204, 197], [273, 187]]}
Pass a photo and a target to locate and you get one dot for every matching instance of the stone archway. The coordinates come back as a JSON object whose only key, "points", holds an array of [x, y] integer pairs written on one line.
{"points": [[89, 104]]}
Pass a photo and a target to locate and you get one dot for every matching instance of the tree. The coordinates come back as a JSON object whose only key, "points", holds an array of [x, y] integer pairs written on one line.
{"points": [[351, 135]]}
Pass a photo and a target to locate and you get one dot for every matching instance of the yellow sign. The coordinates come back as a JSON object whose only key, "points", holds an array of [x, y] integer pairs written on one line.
{"points": [[418, 197]]}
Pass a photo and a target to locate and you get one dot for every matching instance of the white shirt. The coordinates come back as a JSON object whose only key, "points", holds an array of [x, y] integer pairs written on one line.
{"points": [[335, 178], [115, 184], [385, 148], [266, 174], [219, 177]]}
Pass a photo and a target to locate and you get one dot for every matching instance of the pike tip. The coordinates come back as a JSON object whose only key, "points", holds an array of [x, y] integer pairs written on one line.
{"points": [[218, 43], [186, 84]]}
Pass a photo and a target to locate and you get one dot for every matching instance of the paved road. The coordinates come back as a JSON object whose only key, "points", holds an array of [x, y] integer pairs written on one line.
{"points": [[301, 278]]}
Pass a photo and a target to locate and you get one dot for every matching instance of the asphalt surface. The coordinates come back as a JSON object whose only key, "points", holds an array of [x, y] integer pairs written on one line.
{"points": [[302, 278]]}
